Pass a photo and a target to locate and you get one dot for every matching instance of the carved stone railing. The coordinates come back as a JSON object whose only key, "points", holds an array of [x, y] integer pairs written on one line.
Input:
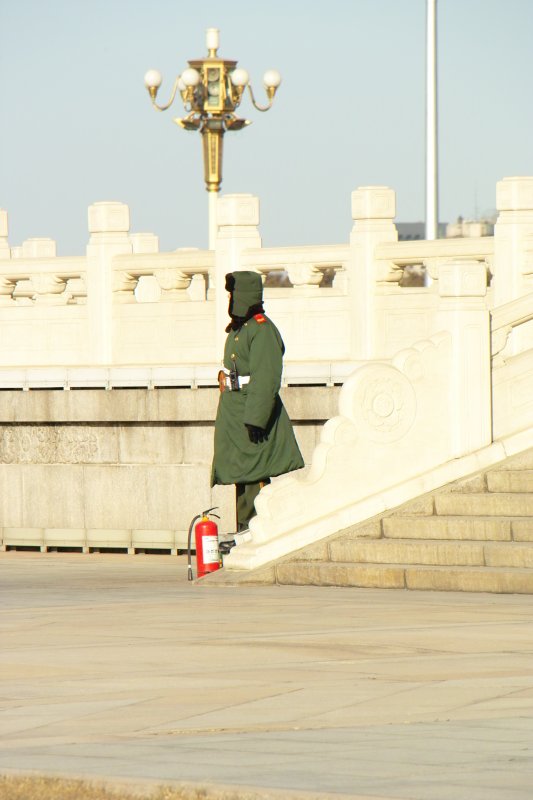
{"points": [[512, 366], [48, 281], [179, 276], [392, 258], [305, 267], [507, 318], [345, 303]]}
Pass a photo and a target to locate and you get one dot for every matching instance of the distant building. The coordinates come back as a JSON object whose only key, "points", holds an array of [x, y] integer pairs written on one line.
{"points": [[416, 230], [463, 228], [469, 228], [410, 230]]}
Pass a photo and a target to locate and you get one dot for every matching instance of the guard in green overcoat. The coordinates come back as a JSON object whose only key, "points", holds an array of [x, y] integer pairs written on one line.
{"points": [[254, 439]]}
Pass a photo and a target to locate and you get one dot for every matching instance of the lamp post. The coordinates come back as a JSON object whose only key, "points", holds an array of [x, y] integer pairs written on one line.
{"points": [[212, 89]]}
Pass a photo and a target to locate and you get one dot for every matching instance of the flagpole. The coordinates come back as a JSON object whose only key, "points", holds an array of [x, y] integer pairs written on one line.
{"points": [[432, 188]]}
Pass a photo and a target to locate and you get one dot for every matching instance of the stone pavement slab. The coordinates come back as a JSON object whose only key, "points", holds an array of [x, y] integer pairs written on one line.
{"points": [[115, 667]]}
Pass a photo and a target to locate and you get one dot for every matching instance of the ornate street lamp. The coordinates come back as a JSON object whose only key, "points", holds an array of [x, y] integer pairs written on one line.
{"points": [[211, 89]]}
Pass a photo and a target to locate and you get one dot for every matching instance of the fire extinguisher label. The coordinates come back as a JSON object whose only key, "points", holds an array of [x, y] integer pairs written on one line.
{"points": [[210, 550]]}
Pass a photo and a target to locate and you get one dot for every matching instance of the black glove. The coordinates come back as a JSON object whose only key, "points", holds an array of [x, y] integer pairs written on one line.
{"points": [[256, 434]]}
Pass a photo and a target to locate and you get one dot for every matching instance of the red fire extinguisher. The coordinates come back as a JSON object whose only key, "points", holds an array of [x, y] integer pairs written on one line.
{"points": [[206, 541]]}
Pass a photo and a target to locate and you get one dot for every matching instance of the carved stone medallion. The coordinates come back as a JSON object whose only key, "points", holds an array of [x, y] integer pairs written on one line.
{"points": [[380, 401]]}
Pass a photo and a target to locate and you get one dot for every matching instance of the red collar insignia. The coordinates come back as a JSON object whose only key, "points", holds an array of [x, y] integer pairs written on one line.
{"points": [[260, 318]]}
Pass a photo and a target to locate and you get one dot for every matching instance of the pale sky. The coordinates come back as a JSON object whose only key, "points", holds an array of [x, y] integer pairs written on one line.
{"points": [[77, 125]]}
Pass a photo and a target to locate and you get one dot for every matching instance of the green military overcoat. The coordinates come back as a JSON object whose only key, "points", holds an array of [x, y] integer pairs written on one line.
{"points": [[256, 349]]}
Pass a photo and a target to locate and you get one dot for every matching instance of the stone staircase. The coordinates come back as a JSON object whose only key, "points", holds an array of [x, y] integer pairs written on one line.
{"points": [[474, 535]]}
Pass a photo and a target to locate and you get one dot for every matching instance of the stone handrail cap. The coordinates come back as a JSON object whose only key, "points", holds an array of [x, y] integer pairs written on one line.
{"points": [[39, 247], [238, 209], [3, 223], [145, 243], [109, 217], [515, 194], [373, 202]]}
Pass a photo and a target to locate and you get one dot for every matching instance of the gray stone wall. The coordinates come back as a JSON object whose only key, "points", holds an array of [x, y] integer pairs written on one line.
{"points": [[122, 469]]}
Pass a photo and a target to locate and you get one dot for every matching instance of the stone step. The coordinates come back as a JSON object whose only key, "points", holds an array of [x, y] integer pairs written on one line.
{"points": [[437, 553], [509, 554], [510, 480], [399, 576], [522, 529], [402, 551], [455, 528], [522, 461], [503, 504]]}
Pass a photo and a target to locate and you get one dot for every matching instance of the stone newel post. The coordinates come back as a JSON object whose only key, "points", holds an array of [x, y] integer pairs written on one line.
{"points": [[373, 211], [238, 221], [513, 251], [109, 224], [513, 240], [463, 312]]}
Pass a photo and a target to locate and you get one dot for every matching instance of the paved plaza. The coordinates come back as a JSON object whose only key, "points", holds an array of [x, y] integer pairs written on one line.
{"points": [[115, 667]]}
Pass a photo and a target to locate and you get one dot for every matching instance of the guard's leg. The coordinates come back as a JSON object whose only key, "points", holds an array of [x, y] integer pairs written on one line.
{"points": [[245, 499]]}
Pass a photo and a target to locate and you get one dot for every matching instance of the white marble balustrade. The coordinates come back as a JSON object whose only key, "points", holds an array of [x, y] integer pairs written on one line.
{"points": [[127, 304]]}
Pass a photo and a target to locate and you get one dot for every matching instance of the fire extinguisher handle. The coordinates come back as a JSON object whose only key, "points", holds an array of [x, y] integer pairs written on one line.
{"points": [[209, 510]]}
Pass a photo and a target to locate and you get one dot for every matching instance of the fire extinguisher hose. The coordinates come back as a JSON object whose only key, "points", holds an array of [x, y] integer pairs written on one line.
{"points": [[189, 564]]}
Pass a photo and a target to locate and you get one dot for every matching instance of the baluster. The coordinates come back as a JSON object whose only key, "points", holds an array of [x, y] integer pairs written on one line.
{"points": [[124, 286], [197, 290], [7, 286], [173, 282], [23, 292], [76, 289], [48, 289], [305, 275]]}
